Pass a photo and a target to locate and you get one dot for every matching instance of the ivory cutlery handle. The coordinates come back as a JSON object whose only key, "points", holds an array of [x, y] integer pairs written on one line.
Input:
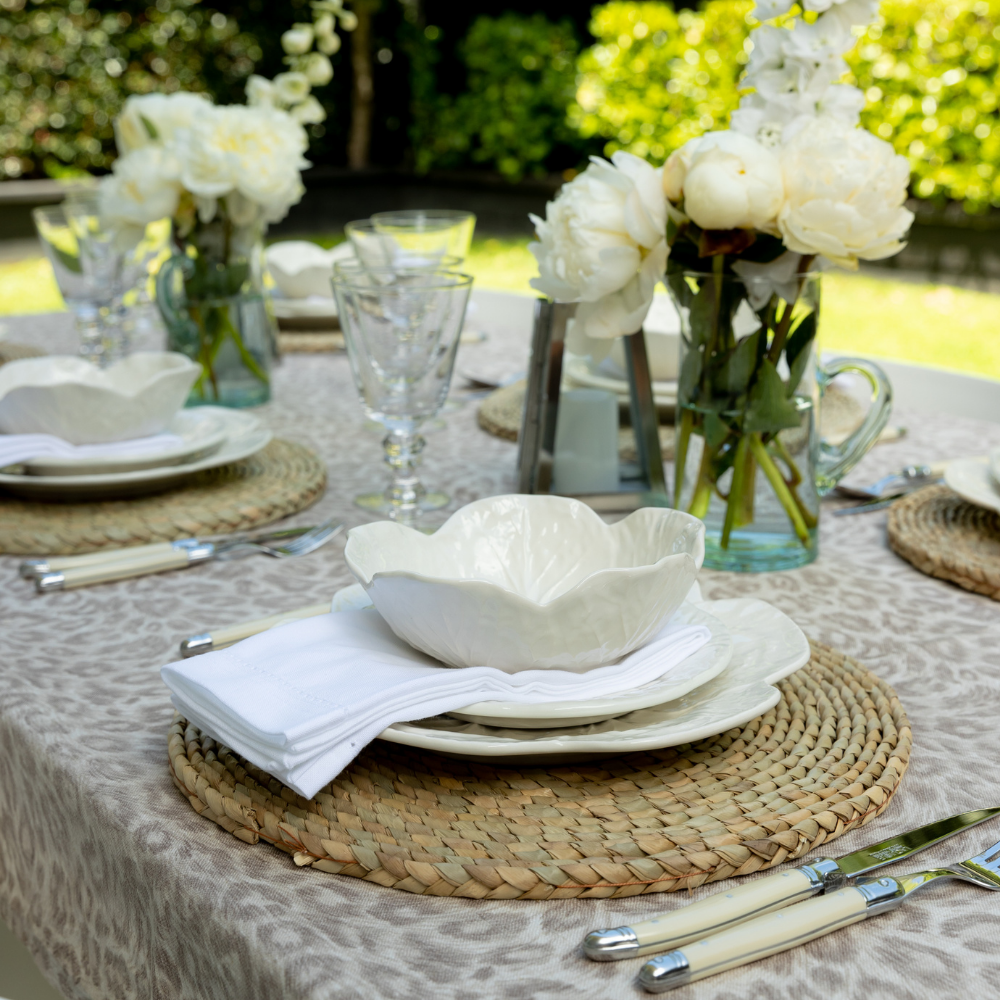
{"points": [[32, 568], [755, 939], [205, 642], [707, 916], [121, 569]]}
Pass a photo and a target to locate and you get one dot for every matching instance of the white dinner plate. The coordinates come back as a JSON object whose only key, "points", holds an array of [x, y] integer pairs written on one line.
{"points": [[767, 646], [697, 669], [579, 373], [972, 480], [201, 431], [245, 435]]}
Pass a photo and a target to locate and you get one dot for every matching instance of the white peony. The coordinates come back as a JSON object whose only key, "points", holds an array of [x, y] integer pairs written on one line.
{"points": [[257, 152], [317, 68], [844, 190], [143, 187], [298, 39], [156, 118], [291, 88], [732, 182], [603, 244]]}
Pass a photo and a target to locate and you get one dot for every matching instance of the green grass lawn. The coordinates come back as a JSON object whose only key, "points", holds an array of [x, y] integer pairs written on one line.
{"points": [[928, 324]]}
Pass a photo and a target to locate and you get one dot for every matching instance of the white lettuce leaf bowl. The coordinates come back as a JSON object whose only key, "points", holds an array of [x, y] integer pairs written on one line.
{"points": [[83, 404], [527, 582]]}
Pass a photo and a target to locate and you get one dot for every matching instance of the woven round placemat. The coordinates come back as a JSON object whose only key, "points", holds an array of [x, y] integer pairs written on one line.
{"points": [[826, 759], [944, 536], [279, 480]]}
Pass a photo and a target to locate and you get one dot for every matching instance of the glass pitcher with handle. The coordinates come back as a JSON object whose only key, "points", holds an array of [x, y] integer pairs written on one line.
{"points": [[750, 458]]}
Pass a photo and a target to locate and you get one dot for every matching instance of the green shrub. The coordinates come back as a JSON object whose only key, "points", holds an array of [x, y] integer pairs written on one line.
{"points": [[930, 70], [656, 78], [67, 67], [512, 114]]}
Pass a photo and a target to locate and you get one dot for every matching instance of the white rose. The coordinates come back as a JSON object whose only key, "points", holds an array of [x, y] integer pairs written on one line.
{"points": [[844, 191], [142, 187], [317, 69], [732, 183], [309, 112], [155, 118], [259, 91], [603, 244], [298, 39], [291, 88]]}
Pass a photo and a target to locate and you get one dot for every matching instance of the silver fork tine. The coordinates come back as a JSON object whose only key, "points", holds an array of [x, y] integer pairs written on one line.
{"points": [[311, 540]]}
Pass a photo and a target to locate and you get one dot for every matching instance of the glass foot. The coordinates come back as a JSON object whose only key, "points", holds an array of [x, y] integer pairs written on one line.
{"points": [[380, 504]]}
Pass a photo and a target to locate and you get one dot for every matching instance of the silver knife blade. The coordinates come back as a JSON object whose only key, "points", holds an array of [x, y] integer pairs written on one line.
{"points": [[902, 846]]}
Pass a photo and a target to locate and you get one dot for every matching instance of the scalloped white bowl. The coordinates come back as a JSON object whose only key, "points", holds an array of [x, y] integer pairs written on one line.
{"points": [[80, 403], [526, 582]]}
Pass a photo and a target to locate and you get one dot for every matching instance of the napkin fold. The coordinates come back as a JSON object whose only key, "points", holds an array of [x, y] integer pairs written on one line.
{"points": [[302, 700], [16, 448]]}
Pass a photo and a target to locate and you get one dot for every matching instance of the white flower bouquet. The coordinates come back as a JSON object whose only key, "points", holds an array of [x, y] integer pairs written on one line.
{"points": [[221, 174], [739, 220]]}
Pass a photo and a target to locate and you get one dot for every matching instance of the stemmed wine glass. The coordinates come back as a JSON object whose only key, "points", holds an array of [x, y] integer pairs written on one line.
{"points": [[401, 327]]}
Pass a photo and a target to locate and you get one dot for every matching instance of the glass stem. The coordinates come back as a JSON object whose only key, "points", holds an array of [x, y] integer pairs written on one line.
{"points": [[402, 454]]}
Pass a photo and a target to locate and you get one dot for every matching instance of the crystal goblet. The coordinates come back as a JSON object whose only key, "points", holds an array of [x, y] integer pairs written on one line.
{"points": [[428, 232], [401, 327]]}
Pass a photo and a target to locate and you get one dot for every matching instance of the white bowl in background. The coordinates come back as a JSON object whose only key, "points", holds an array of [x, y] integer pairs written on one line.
{"points": [[525, 582], [301, 268], [82, 404]]}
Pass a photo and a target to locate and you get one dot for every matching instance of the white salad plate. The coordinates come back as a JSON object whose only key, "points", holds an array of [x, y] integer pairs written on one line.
{"points": [[245, 435], [697, 669], [767, 646], [973, 480], [314, 307], [201, 432]]}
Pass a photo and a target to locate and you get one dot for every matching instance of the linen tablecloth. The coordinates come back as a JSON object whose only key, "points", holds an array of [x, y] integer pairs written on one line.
{"points": [[120, 890]]}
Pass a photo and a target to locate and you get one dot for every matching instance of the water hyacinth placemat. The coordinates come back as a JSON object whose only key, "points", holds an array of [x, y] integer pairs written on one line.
{"points": [[281, 479], [947, 537], [826, 759]]}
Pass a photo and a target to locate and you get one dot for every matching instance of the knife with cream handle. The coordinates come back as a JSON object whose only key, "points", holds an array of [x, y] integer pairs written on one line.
{"points": [[774, 932], [751, 899]]}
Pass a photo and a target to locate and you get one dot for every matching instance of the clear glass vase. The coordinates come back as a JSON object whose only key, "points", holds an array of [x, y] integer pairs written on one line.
{"points": [[749, 458], [216, 310]]}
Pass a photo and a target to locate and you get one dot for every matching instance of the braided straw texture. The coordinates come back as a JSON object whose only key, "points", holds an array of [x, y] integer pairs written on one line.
{"points": [[944, 536], [826, 759], [279, 480]]}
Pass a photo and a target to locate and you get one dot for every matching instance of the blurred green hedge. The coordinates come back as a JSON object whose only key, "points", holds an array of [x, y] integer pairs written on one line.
{"points": [[67, 67]]}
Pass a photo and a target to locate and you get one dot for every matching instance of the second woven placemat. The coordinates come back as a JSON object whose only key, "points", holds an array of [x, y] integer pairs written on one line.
{"points": [[279, 480], [826, 759], [944, 536]]}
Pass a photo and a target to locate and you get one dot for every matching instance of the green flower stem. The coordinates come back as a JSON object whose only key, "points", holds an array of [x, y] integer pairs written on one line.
{"points": [[736, 488], [680, 454], [702, 495], [744, 514], [781, 333], [780, 488], [794, 480]]}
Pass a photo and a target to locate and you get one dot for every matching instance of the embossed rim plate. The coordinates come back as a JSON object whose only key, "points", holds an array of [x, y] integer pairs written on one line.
{"points": [[201, 432], [972, 480], [577, 371], [767, 646], [245, 436], [697, 669]]}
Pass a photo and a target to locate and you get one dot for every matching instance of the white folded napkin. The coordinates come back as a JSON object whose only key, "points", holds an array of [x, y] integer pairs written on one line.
{"points": [[302, 700], [16, 448]]}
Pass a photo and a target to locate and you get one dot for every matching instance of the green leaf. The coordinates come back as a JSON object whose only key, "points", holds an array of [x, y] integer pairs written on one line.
{"points": [[150, 128], [734, 373], [716, 429], [797, 350], [764, 249], [769, 410], [687, 382]]}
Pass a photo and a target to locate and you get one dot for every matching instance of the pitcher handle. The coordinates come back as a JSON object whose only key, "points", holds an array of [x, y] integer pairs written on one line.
{"points": [[165, 299], [835, 461]]}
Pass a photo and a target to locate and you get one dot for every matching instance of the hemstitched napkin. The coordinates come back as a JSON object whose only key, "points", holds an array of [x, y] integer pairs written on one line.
{"points": [[302, 700], [15, 448]]}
